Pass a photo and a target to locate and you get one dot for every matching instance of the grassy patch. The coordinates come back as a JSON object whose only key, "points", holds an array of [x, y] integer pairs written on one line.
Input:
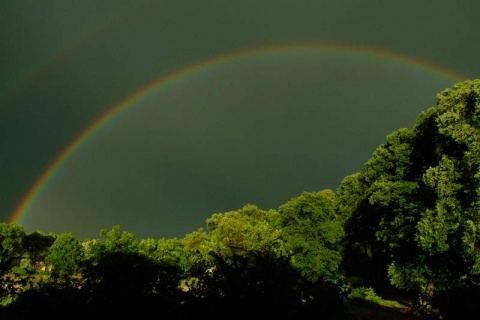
{"points": [[358, 309], [364, 303]]}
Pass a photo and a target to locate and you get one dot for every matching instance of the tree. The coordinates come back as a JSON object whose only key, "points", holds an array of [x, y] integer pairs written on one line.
{"points": [[125, 277], [37, 244], [445, 164], [313, 234], [11, 244], [242, 264], [362, 252], [116, 240], [230, 237], [65, 255], [112, 240], [244, 230], [420, 192], [147, 246], [376, 204]]}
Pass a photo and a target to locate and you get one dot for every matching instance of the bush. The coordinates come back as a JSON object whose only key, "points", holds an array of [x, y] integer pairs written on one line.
{"points": [[364, 293], [19, 271]]}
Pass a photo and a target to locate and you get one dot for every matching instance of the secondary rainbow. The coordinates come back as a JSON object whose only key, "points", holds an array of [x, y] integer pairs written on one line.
{"points": [[35, 71], [42, 182]]}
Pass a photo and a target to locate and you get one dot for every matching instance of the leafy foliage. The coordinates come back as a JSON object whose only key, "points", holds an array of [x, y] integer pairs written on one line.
{"points": [[419, 195], [313, 234], [245, 230], [65, 256], [364, 293]]}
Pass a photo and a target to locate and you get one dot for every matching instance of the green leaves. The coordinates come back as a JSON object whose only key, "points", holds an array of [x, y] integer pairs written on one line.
{"points": [[65, 255], [313, 233], [11, 241], [247, 229], [420, 196]]}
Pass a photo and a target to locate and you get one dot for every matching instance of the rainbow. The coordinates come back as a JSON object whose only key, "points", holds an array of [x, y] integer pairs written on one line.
{"points": [[42, 182]]}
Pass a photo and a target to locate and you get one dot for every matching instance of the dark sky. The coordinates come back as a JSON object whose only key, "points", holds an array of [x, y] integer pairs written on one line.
{"points": [[258, 126]]}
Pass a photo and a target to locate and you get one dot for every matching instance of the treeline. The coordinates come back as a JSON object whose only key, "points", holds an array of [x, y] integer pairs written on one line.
{"points": [[249, 262], [408, 224]]}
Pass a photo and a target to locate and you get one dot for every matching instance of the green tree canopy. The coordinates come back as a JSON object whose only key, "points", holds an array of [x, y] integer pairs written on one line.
{"points": [[419, 195], [113, 240], [11, 244], [65, 256], [313, 234], [37, 243], [245, 230]]}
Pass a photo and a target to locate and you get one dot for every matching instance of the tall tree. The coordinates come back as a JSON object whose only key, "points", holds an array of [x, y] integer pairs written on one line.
{"points": [[445, 165], [65, 256], [11, 244], [420, 193], [36, 244], [376, 204], [313, 233]]}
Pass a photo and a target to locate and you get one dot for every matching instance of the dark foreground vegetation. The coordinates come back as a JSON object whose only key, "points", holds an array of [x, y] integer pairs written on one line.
{"points": [[397, 240]]}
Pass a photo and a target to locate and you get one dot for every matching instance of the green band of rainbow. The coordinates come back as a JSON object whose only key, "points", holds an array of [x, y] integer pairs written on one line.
{"points": [[42, 182]]}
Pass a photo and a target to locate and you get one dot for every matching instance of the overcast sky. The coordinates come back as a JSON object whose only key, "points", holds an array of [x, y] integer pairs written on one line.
{"points": [[235, 120]]}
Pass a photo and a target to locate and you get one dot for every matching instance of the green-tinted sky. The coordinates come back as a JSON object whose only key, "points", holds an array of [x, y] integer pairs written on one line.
{"points": [[256, 128]]}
